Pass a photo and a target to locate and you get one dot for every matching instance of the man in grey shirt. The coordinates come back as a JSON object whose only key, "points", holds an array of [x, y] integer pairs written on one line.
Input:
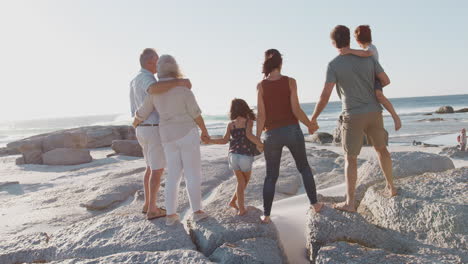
{"points": [[147, 132], [354, 78]]}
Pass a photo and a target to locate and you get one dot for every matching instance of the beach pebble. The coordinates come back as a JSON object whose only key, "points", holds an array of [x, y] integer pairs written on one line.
{"points": [[66, 156]]}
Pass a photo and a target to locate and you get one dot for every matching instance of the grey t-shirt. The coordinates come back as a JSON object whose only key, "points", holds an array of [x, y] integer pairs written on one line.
{"points": [[354, 77]]}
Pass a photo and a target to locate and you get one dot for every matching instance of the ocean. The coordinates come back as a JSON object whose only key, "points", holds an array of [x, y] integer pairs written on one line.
{"points": [[411, 110]]}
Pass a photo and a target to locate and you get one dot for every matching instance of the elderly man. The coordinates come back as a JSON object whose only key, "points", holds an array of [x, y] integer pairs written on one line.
{"points": [[148, 131], [354, 77]]}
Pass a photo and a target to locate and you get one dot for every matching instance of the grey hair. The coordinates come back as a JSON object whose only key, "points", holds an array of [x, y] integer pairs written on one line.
{"points": [[146, 55], [168, 67]]}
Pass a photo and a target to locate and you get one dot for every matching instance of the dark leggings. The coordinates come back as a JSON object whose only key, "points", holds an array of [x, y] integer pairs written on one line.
{"points": [[292, 137]]}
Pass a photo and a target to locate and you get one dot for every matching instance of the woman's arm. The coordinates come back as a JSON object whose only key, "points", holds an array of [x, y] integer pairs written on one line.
{"points": [[261, 110], [164, 86], [225, 139], [145, 109], [205, 137], [296, 107], [250, 135]]}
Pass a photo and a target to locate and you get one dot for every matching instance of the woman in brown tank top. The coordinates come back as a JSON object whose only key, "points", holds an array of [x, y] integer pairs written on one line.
{"points": [[279, 113]]}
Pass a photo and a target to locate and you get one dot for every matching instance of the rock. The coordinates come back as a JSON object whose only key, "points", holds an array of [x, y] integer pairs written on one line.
{"points": [[99, 137], [122, 230], [463, 110], [66, 156], [445, 110], [111, 189], [437, 119], [321, 138], [427, 114], [20, 161], [404, 164], [3, 184], [426, 223], [454, 152], [430, 208], [32, 157], [64, 140], [343, 253], [8, 152], [127, 148], [253, 250], [127, 132], [138, 257]]}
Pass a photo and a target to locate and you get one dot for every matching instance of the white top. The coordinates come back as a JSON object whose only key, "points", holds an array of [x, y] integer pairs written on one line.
{"points": [[374, 50], [177, 110], [138, 92]]}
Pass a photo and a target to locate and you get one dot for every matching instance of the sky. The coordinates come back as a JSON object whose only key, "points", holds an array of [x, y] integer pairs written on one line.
{"points": [[70, 58]]}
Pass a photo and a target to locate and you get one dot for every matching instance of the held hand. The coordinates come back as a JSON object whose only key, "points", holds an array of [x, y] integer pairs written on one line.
{"points": [[136, 122], [205, 137], [344, 51], [313, 127], [188, 83]]}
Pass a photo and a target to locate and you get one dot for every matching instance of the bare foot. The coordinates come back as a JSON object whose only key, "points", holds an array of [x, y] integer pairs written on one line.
{"points": [[265, 219], [344, 207], [144, 210], [242, 211], [233, 205], [390, 192], [397, 122], [317, 207]]}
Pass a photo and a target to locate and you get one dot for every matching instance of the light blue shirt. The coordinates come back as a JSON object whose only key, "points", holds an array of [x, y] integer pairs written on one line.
{"points": [[139, 90]]}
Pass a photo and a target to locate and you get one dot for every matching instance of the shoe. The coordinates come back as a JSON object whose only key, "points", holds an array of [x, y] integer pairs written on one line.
{"points": [[199, 216], [172, 220]]}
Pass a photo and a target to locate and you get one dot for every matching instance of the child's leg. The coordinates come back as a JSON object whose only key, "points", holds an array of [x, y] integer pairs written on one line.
{"points": [[386, 103], [240, 191]]}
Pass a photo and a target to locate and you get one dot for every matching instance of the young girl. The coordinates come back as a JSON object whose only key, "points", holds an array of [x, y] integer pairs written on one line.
{"points": [[364, 39], [242, 147]]}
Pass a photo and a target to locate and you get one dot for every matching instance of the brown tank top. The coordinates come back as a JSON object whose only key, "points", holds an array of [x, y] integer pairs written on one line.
{"points": [[277, 100]]}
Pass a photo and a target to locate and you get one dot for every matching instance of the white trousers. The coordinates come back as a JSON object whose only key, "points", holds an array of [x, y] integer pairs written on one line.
{"points": [[183, 155]]}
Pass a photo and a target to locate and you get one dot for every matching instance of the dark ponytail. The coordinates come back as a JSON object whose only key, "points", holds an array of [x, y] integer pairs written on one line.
{"points": [[273, 60]]}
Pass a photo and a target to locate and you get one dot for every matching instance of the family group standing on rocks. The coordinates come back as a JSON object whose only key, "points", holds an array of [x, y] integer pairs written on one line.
{"points": [[167, 116]]}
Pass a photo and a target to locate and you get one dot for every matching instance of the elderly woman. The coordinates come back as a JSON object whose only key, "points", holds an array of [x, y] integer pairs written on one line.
{"points": [[179, 117]]}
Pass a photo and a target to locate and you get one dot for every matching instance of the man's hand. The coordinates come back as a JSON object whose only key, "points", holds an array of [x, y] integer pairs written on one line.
{"points": [[260, 147], [313, 126], [136, 122], [344, 51]]}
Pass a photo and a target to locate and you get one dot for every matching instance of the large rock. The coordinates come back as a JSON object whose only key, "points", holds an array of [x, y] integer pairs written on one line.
{"points": [[111, 189], [31, 151], [127, 148], [102, 136], [123, 230], [463, 110], [66, 156], [404, 164], [426, 223], [252, 251], [8, 152], [344, 253], [454, 152], [431, 208], [321, 138], [64, 140], [445, 110], [135, 257]]}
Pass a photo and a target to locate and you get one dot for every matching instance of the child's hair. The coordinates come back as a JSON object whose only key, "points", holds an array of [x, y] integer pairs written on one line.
{"points": [[363, 34], [273, 60], [240, 107]]}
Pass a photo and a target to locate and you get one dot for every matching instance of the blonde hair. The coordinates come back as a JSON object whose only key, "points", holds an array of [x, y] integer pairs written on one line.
{"points": [[168, 67]]}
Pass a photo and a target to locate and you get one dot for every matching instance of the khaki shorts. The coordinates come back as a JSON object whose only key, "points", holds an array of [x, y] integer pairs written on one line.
{"points": [[150, 142], [355, 126]]}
